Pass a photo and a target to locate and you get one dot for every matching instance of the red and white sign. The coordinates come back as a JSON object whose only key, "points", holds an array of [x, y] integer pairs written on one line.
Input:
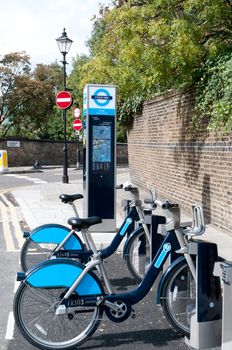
{"points": [[63, 99], [76, 112], [77, 124]]}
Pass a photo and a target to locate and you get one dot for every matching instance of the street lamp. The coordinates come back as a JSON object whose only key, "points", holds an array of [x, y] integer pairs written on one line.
{"points": [[64, 44]]}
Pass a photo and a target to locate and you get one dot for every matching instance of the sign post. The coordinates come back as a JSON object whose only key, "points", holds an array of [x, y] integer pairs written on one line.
{"points": [[99, 172], [64, 101], [77, 125]]}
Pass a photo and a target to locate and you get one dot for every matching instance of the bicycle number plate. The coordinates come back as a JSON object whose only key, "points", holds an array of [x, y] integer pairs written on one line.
{"points": [[76, 302]]}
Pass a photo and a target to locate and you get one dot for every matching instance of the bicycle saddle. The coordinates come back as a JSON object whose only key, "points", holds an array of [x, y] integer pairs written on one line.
{"points": [[67, 198], [84, 223]]}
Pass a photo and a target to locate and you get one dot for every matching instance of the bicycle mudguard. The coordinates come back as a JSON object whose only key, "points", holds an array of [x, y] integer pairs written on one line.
{"points": [[134, 234], [63, 273], [167, 273], [55, 233]]}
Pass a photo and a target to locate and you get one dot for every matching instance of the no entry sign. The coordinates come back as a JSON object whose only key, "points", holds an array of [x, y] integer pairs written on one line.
{"points": [[63, 99], [77, 124]]}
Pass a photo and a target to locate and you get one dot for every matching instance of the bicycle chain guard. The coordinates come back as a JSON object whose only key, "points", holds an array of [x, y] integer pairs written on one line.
{"points": [[121, 314]]}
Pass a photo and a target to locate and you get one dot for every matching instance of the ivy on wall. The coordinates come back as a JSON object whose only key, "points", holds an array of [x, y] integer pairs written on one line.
{"points": [[214, 94]]}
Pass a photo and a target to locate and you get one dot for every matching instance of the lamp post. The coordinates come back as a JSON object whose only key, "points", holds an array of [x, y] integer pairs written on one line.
{"points": [[64, 44]]}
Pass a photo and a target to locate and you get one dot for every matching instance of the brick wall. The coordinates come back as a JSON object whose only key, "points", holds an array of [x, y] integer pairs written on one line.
{"points": [[184, 166], [46, 152], [49, 153]]}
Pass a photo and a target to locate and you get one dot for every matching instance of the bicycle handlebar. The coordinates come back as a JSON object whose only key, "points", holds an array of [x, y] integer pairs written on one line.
{"points": [[166, 205], [119, 187], [130, 188], [126, 188], [151, 202]]}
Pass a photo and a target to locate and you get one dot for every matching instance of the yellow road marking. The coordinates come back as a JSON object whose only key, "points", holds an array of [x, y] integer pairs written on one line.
{"points": [[4, 190], [17, 228], [10, 247]]}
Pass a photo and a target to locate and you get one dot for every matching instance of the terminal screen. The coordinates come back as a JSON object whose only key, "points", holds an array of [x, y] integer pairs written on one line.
{"points": [[101, 151]]}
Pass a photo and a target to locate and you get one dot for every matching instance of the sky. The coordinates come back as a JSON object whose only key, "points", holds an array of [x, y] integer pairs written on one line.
{"points": [[33, 25]]}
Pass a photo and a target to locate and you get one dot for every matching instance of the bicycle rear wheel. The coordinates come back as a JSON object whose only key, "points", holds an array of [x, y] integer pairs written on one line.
{"points": [[137, 255], [34, 253], [178, 298], [34, 310]]}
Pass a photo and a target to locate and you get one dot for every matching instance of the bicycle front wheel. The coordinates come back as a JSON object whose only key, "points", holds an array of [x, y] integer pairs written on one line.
{"points": [[137, 255], [178, 298], [34, 311]]}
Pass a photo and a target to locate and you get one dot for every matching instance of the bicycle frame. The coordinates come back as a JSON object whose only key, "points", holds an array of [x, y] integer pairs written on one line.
{"points": [[135, 214], [174, 241], [69, 244], [170, 243]]}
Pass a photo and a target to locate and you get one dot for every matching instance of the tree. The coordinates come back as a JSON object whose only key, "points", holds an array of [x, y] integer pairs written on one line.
{"points": [[75, 78], [148, 47], [13, 68], [52, 77], [26, 97]]}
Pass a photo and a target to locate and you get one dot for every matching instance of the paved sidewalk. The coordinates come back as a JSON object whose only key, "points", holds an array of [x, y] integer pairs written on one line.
{"points": [[40, 204]]}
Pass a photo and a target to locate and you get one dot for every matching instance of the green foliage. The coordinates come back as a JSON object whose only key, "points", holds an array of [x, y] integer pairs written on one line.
{"points": [[121, 134], [148, 47], [27, 98], [129, 108], [215, 94], [55, 126], [145, 47], [75, 78]]}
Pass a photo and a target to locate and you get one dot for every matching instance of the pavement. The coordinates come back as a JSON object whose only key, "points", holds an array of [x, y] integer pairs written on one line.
{"points": [[40, 204]]}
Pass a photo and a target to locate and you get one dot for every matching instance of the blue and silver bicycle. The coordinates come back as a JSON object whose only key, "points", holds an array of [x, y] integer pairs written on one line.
{"points": [[58, 241], [59, 303]]}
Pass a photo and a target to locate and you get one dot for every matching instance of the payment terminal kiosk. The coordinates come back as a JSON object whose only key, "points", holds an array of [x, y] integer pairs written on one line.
{"points": [[99, 168]]}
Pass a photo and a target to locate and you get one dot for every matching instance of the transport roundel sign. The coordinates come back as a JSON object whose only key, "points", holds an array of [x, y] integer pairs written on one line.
{"points": [[63, 99]]}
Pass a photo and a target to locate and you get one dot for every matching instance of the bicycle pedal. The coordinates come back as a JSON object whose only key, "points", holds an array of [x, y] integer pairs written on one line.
{"points": [[133, 314]]}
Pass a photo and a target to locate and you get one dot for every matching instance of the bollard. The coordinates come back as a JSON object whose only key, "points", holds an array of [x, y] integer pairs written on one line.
{"points": [[205, 322], [224, 270], [3, 161]]}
